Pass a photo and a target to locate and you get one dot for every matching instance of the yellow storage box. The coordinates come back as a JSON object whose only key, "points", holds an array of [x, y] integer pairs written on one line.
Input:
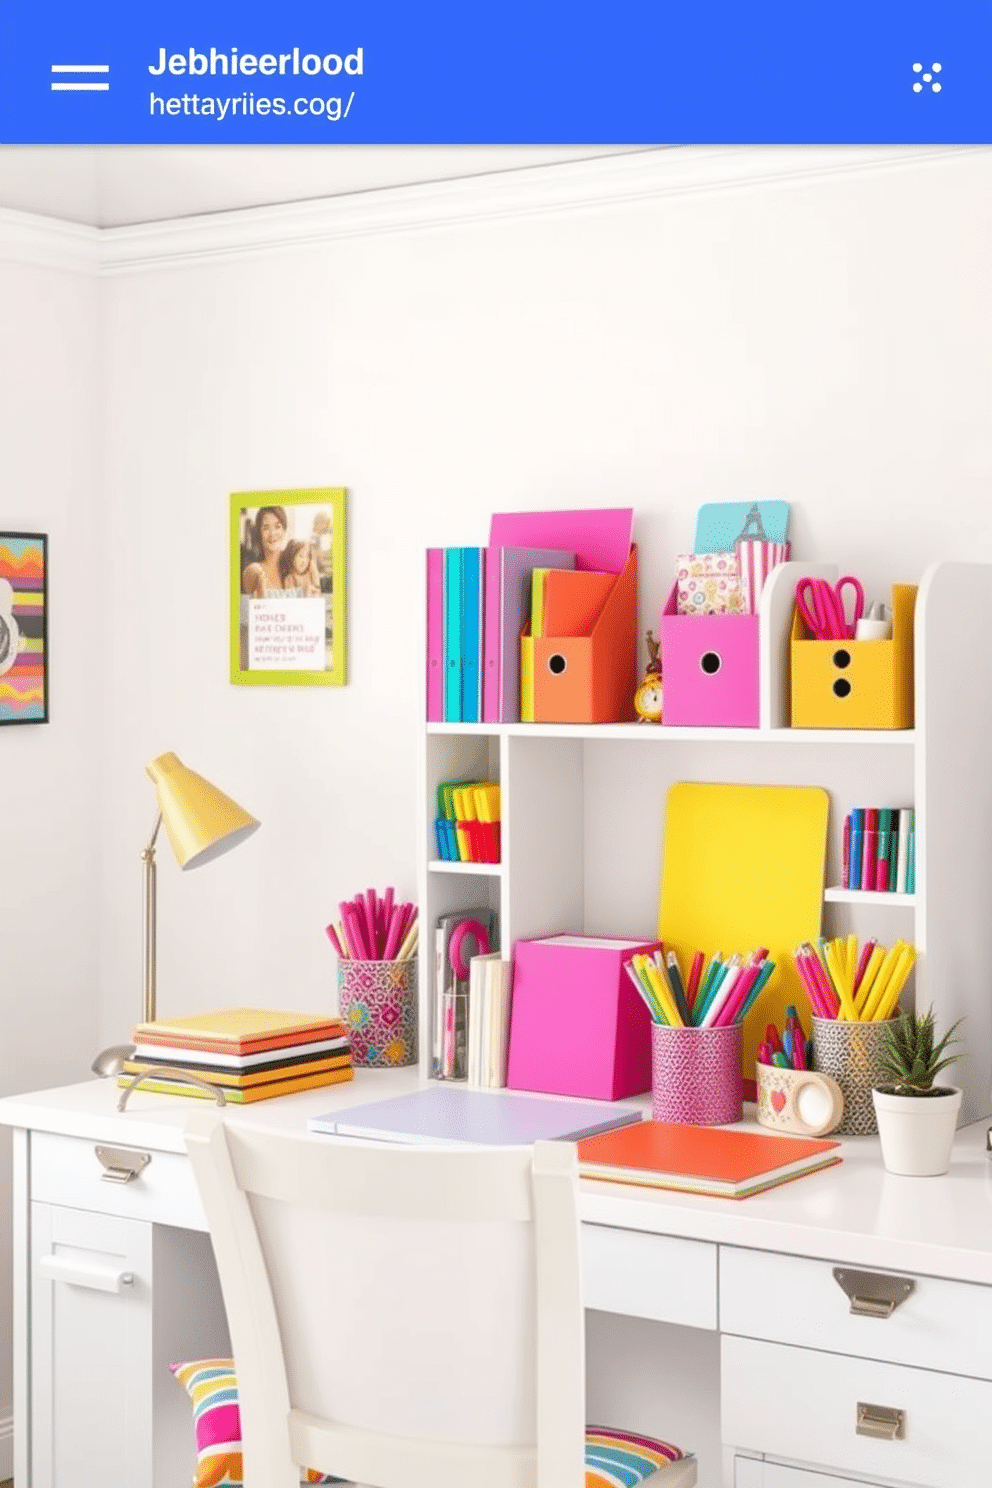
{"points": [[855, 684]]}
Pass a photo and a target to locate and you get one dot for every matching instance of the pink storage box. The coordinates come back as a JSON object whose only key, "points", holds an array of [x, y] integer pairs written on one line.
{"points": [[709, 668], [578, 1025]]}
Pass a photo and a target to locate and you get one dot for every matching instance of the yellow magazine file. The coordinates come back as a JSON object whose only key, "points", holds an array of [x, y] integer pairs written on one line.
{"points": [[743, 866]]}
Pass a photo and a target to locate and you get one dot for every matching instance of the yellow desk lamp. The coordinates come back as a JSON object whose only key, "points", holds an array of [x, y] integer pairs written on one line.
{"points": [[201, 823]]}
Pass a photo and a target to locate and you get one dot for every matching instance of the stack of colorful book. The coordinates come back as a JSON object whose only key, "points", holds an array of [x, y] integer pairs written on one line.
{"points": [[467, 824], [251, 1053]]}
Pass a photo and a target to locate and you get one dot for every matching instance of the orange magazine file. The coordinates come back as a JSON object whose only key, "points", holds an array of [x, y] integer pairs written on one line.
{"points": [[592, 677]]}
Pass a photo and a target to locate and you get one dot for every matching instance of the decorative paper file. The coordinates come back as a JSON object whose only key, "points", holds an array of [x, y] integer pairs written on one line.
{"points": [[709, 584]]}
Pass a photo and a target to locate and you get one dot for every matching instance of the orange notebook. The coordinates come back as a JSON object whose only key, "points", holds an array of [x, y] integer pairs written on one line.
{"points": [[238, 1030], [726, 1164]]}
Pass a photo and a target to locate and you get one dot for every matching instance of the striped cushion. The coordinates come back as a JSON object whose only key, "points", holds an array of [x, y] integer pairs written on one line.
{"points": [[213, 1388], [622, 1459]]}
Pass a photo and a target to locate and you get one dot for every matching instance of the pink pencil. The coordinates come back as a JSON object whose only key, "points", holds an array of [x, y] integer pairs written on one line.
{"points": [[395, 931], [332, 936], [810, 983], [356, 933], [731, 1008], [831, 1002]]}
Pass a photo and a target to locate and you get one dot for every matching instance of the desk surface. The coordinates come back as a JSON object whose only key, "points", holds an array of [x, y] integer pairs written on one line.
{"points": [[855, 1213]]}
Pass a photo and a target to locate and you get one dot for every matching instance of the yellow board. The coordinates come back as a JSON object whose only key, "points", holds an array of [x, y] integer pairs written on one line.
{"points": [[742, 867]]}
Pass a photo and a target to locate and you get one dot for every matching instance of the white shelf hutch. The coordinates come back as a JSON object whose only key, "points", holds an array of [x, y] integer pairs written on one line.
{"points": [[583, 809]]}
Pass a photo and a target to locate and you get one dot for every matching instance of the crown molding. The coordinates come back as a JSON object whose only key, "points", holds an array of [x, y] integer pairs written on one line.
{"points": [[49, 243], [533, 191]]}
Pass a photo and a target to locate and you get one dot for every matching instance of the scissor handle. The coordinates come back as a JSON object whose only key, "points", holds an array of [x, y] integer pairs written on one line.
{"points": [[849, 580], [815, 602]]}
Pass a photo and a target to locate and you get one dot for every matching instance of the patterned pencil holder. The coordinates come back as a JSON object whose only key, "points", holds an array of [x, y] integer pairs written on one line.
{"points": [[378, 1002], [852, 1054], [696, 1074]]}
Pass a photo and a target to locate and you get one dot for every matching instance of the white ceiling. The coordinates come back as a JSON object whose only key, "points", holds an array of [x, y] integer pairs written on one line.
{"points": [[114, 186]]}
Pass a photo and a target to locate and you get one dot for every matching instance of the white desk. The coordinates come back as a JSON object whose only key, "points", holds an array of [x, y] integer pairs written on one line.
{"points": [[94, 1403]]}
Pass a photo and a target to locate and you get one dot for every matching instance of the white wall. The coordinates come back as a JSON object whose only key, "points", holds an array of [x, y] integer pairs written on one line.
{"points": [[825, 339], [50, 775]]}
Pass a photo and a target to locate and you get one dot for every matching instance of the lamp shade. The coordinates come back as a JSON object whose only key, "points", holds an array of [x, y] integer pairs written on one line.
{"points": [[200, 820]]}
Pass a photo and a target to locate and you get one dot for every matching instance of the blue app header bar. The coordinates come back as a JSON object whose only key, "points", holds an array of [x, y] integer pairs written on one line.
{"points": [[517, 71]]}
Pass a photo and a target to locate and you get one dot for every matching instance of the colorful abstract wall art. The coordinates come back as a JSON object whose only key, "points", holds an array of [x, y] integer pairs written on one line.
{"points": [[23, 627]]}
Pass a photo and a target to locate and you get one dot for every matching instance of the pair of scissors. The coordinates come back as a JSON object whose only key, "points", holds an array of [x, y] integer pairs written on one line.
{"points": [[821, 605]]}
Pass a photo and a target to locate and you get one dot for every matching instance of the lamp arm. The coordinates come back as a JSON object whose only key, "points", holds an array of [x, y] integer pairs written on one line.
{"points": [[149, 897]]}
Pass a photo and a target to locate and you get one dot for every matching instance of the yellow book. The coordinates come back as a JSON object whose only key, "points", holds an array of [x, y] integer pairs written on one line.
{"points": [[526, 676], [538, 581], [244, 1097], [464, 799], [242, 1029], [487, 801]]}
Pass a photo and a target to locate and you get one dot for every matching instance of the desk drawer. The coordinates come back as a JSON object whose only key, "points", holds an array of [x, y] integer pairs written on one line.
{"points": [[944, 1325], [803, 1405], [67, 1171], [649, 1276]]}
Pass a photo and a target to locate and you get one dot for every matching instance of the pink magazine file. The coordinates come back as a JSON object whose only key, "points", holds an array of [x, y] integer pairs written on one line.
{"points": [[599, 539], [435, 635], [578, 1025], [709, 668]]}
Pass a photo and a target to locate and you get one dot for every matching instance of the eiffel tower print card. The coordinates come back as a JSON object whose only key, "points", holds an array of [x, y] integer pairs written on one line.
{"points": [[720, 525]]}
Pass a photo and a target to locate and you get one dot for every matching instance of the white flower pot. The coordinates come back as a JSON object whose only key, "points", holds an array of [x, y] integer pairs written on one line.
{"points": [[917, 1131]]}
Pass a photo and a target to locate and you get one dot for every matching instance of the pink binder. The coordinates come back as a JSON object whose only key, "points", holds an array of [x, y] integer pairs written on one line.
{"points": [[435, 635]]}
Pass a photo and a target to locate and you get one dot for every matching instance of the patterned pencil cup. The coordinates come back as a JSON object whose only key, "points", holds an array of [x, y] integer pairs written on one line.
{"points": [[378, 1002], [852, 1054], [696, 1074]]}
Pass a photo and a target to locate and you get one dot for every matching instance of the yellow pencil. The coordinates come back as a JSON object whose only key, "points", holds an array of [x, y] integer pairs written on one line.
{"points": [[640, 967], [838, 975], [663, 992], [852, 962], [900, 972], [881, 982], [868, 980]]}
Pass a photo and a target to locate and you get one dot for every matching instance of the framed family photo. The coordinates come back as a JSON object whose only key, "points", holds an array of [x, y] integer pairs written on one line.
{"points": [[288, 582], [23, 627]]}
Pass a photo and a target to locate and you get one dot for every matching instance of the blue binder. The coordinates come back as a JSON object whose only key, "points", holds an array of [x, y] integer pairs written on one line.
{"points": [[473, 560], [453, 635]]}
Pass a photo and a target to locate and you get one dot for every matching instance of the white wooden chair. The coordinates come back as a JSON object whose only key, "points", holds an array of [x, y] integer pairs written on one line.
{"points": [[402, 1317]]}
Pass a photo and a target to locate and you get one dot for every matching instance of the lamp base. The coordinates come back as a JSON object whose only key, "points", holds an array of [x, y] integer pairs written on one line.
{"points": [[111, 1061]]}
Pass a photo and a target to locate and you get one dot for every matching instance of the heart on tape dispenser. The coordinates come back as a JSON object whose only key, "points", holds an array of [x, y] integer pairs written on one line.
{"points": [[806, 1103]]}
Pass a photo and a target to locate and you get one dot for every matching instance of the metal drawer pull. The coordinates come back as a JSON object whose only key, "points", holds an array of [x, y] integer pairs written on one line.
{"points": [[121, 1164], [78, 1273], [156, 1071], [880, 1421], [873, 1294]]}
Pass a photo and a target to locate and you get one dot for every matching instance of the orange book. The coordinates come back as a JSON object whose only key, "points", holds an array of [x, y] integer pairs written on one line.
{"points": [[725, 1163], [238, 1030]]}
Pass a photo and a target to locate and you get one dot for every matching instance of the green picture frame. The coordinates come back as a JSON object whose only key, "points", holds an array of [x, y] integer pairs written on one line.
{"points": [[289, 587]]}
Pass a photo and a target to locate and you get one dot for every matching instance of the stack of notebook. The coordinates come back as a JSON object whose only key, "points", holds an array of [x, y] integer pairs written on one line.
{"points": [[252, 1053]]}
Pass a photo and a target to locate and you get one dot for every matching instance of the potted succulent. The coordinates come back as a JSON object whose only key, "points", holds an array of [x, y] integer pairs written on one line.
{"points": [[916, 1117]]}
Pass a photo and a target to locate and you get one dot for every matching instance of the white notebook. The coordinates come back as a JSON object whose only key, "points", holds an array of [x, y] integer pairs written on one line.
{"points": [[444, 1114]]}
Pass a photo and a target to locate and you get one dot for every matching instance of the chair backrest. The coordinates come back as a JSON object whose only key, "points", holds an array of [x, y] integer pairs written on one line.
{"points": [[404, 1317]]}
